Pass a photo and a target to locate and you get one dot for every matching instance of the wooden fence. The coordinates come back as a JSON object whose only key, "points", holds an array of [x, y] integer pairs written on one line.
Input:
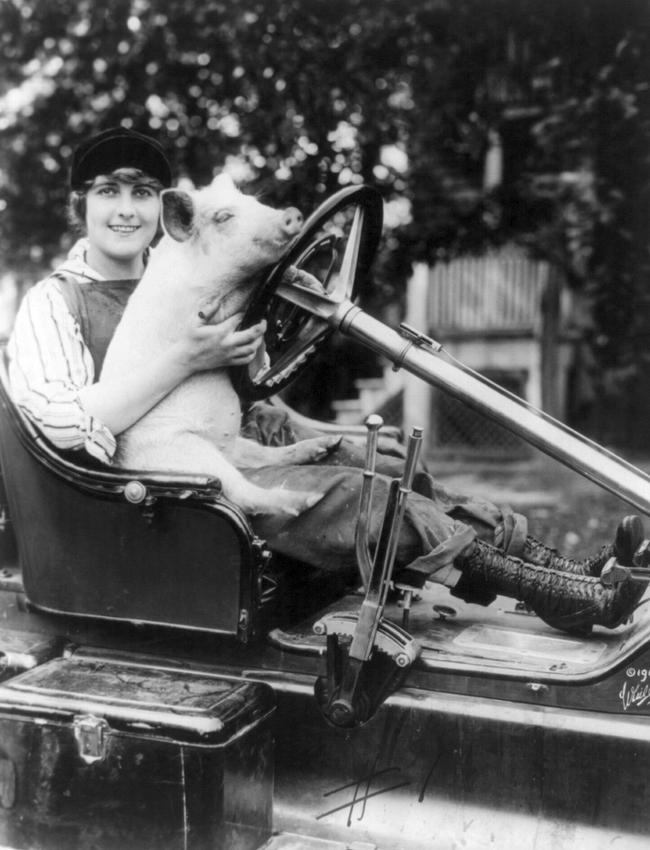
{"points": [[497, 293]]}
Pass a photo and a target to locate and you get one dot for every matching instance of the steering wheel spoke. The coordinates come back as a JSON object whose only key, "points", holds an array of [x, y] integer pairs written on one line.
{"points": [[345, 278], [299, 297]]}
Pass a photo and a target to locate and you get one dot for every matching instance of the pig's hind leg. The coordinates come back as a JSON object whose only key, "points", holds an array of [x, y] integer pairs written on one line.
{"points": [[251, 498], [255, 500]]}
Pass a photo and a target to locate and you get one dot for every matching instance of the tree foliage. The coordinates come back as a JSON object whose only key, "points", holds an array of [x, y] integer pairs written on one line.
{"points": [[300, 97]]}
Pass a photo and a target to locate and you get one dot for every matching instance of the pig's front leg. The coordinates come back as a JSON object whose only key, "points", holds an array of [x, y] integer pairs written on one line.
{"points": [[251, 455]]}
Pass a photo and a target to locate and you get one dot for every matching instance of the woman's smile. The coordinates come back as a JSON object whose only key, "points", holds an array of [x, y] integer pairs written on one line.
{"points": [[124, 228]]}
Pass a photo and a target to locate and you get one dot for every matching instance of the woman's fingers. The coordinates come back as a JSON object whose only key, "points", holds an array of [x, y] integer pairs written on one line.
{"points": [[230, 325], [220, 344], [252, 334], [244, 355]]}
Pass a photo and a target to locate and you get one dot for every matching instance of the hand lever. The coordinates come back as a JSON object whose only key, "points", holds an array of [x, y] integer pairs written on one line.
{"points": [[373, 605], [380, 653], [373, 424]]}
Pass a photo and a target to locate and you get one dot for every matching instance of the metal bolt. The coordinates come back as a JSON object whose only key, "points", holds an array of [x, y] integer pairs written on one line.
{"points": [[444, 611], [135, 492]]}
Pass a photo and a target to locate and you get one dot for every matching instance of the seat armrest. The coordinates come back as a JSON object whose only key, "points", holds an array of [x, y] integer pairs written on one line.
{"points": [[79, 470]]}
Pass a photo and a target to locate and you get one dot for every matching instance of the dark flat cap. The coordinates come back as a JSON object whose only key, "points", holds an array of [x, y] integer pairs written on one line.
{"points": [[119, 148]]}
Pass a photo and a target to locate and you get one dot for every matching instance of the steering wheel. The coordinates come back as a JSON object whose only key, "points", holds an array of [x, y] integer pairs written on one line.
{"points": [[335, 246]]}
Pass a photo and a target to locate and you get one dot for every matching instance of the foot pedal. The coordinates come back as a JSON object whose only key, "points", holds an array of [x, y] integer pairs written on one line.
{"points": [[614, 573]]}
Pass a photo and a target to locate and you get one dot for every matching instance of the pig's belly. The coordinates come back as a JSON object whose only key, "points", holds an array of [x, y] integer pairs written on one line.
{"points": [[202, 413]]}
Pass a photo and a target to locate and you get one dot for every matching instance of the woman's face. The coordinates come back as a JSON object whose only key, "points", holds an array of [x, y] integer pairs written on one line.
{"points": [[121, 217]]}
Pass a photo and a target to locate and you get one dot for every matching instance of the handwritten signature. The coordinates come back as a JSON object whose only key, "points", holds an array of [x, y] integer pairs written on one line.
{"points": [[375, 782], [634, 694], [361, 795]]}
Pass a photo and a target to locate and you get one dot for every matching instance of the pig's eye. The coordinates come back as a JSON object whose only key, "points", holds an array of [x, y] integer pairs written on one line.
{"points": [[222, 216]]}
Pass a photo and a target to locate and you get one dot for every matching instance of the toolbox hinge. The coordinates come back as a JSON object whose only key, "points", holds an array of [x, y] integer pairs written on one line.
{"points": [[91, 735]]}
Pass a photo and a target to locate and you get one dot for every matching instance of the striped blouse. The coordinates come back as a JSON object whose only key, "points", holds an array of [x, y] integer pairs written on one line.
{"points": [[49, 363]]}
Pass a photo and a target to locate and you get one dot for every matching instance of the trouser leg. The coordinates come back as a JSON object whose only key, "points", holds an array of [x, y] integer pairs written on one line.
{"points": [[496, 524], [324, 536]]}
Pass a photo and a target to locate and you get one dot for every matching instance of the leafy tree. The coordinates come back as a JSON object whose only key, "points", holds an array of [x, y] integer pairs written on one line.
{"points": [[301, 97]]}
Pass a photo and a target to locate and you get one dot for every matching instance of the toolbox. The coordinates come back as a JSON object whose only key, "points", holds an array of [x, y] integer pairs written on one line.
{"points": [[104, 754]]}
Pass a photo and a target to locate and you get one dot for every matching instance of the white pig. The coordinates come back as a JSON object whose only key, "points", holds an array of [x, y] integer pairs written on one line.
{"points": [[215, 241]]}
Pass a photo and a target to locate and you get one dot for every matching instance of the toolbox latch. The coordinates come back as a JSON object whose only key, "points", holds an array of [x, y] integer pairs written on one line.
{"points": [[91, 735]]}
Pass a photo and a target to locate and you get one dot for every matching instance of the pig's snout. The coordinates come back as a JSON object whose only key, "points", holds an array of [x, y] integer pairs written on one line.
{"points": [[291, 221]]}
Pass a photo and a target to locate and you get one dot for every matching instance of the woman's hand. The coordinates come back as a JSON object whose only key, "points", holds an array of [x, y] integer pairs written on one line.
{"points": [[198, 346], [214, 346]]}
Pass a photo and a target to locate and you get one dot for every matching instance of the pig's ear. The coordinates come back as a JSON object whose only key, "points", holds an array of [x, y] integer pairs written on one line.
{"points": [[177, 214], [223, 181]]}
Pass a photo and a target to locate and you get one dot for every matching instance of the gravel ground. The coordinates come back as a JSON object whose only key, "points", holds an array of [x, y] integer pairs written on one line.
{"points": [[564, 509]]}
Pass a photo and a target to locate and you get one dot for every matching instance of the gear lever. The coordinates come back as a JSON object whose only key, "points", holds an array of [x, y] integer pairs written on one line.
{"points": [[379, 652]]}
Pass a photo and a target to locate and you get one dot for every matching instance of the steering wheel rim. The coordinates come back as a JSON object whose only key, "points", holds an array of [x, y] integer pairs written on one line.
{"points": [[294, 335]]}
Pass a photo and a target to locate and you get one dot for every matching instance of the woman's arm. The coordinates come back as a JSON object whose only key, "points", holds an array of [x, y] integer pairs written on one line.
{"points": [[201, 346], [53, 380], [48, 365]]}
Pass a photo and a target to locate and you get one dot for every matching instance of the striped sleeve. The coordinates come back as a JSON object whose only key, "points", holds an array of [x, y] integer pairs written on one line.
{"points": [[48, 364]]}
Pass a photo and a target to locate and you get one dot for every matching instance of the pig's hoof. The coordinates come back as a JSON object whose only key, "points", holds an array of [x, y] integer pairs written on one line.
{"points": [[316, 448]]}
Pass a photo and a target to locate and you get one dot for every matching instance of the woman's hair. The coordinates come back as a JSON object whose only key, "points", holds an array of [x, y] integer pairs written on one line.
{"points": [[77, 199]]}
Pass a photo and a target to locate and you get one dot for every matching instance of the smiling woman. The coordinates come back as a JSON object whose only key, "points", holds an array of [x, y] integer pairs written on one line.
{"points": [[66, 321]]}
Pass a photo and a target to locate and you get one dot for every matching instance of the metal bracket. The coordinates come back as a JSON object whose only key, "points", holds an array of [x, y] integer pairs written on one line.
{"points": [[414, 338], [91, 734], [390, 639]]}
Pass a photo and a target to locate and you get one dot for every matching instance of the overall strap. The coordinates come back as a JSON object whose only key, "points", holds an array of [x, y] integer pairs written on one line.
{"points": [[70, 287], [97, 307]]}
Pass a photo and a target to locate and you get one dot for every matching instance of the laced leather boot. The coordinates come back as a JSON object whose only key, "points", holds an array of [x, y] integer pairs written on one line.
{"points": [[568, 602], [629, 536]]}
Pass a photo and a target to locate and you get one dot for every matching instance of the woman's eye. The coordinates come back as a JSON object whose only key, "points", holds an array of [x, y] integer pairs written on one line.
{"points": [[144, 192]]}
